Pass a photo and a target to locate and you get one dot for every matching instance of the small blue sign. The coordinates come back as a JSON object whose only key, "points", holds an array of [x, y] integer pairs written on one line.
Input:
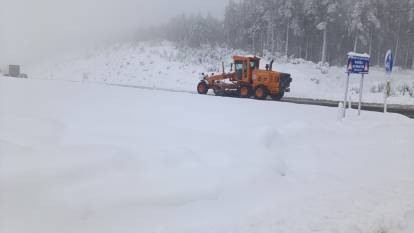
{"points": [[358, 64], [389, 61]]}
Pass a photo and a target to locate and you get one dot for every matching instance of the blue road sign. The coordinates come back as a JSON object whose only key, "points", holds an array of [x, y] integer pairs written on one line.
{"points": [[389, 61], [358, 63]]}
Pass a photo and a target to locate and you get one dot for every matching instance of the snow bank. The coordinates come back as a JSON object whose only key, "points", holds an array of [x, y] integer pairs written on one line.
{"points": [[163, 65], [77, 157], [353, 54]]}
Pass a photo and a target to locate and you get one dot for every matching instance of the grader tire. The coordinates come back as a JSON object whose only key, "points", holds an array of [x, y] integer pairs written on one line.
{"points": [[245, 91], [261, 93], [279, 96], [202, 88]]}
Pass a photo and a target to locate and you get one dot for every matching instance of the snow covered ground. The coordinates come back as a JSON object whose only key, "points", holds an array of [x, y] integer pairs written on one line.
{"points": [[81, 157], [163, 65]]}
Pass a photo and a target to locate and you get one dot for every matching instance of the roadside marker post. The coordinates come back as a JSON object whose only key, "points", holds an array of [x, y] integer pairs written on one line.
{"points": [[357, 64], [361, 87], [346, 96], [340, 111], [389, 64]]}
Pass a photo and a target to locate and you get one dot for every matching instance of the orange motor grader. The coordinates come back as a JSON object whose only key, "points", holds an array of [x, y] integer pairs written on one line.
{"points": [[247, 80]]}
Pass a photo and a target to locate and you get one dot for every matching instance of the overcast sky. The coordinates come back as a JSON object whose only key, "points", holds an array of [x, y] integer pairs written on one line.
{"points": [[30, 29]]}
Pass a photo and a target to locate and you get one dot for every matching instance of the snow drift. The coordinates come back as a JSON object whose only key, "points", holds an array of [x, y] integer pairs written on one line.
{"points": [[91, 158]]}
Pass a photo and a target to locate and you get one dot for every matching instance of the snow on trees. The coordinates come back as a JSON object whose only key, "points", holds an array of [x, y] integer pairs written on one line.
{"points": [[323, 12], [318, 30], [362, 22]]}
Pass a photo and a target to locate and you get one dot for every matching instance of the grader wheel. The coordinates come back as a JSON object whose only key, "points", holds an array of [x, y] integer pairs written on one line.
{"points": [[245, 91], [278, 96], [260, 93], [202, 88]]}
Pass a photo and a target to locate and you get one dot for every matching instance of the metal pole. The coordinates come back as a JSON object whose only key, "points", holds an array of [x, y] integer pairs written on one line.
{"points": [[385, 101], [346, 94], [361, 87], [387, 92]]}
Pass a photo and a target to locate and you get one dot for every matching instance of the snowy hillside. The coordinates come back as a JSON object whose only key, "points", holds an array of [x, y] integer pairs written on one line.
{"points": [[162, 65], [78, 157]]}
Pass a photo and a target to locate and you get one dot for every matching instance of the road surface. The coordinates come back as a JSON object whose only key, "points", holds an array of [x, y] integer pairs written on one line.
{"points": [[406, 110]]}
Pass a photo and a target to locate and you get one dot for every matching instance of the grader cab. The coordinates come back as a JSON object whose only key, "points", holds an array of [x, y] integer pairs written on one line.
{"points": [[247, 80]]}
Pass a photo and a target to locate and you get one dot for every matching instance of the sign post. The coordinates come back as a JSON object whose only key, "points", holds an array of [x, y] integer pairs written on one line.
{"points": [[389, 64], [361, 87], [357, 64], [346, 95]]}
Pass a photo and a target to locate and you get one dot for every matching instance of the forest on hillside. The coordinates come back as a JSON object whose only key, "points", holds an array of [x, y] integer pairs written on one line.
{"points": [[316, 30]]}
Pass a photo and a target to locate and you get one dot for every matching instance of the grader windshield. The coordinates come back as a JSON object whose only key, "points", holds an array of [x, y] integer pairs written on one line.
{"points": [[239, 69], [244, 67], [254, 64]]}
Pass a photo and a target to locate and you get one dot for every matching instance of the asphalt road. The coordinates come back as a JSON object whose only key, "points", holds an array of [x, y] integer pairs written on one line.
{"points": [[406, 110]]}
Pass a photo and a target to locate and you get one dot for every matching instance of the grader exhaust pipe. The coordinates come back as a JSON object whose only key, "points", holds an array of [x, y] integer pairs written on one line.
{"points": [[269, 67]]}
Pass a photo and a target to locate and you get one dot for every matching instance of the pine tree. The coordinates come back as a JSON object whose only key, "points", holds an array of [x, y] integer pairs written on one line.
{"points": [[324, 12], [318, 30]]}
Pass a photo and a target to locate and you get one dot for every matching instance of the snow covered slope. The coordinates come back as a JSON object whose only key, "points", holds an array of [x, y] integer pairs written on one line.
{"points": [[162, 65], [78, 157]]}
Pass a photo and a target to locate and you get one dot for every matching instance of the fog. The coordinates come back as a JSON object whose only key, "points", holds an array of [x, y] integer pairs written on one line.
{"points": [[36, 29]]}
